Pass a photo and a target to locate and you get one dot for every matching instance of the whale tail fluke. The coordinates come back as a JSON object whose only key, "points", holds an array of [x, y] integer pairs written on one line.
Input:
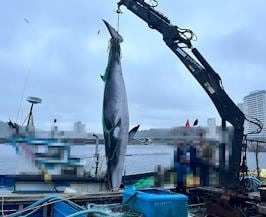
{"points": [[113, 32]]}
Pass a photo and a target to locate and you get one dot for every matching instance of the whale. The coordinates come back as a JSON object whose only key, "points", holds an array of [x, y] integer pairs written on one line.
{"points": [[115, 116]]}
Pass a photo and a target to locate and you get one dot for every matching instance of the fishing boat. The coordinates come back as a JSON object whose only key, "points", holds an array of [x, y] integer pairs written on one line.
{"points": [[145, 202]]}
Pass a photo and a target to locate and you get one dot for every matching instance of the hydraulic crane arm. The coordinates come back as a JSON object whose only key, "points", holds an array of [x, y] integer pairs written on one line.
{"points": [[176, 38]]}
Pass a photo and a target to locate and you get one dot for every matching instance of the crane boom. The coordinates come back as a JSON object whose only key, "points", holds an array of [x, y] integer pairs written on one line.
{"points": [[175, 38]]}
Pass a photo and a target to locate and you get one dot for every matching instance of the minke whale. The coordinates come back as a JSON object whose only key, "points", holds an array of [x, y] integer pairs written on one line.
{"points": [[115, 113]]}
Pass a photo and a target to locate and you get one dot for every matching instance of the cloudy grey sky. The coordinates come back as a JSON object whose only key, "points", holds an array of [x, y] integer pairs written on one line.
{"points": [[57, 44]]}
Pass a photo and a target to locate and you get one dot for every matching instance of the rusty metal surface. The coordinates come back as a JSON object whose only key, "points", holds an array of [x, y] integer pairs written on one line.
{"points": [[228, 203]]}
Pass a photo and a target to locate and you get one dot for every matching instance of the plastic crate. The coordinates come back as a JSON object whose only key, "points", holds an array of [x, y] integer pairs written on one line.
{"points": [[62, 209], [156, 202]]}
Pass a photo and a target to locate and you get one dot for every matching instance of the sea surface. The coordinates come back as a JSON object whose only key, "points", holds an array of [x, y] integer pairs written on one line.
{"points": [[139, 158]]}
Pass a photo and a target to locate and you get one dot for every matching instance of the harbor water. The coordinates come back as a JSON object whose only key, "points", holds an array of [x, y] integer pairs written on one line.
{"points": [[139, 158]]}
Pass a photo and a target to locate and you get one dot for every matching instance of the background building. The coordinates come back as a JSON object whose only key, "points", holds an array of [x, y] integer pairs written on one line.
{"points": [[254, 105], [211, 128], [79, 127]]}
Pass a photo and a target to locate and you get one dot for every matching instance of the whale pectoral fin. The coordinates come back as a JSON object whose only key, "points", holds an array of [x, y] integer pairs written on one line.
{"points": [[112, 150], [132, 132], [112, 130], [118, 124]]}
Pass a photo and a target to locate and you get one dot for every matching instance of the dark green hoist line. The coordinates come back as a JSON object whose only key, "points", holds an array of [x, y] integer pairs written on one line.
{"points": [[177, 39]]}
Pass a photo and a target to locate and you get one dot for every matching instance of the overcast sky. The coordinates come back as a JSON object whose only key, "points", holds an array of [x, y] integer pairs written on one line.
{"points": [[61, 47]]}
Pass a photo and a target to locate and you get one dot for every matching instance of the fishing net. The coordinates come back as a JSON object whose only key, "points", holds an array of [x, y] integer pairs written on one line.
{"points": [[144, 183]]}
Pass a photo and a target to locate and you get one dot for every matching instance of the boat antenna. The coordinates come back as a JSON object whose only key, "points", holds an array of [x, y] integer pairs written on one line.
{"points": [[22, 95]]}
